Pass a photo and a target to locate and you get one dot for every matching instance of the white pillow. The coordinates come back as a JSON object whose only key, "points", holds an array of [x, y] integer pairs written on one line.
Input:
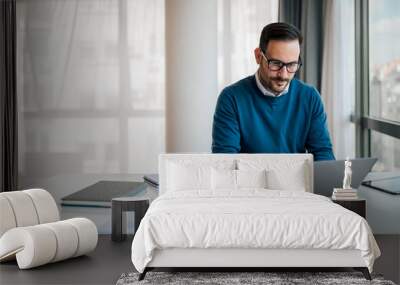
{"points": [[225, 179], [285, 174], [251, 178], [292, 178], [189, 174], [184, 177]]}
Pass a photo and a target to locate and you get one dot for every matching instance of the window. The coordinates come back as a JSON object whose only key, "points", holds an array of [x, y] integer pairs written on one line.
{"points": [[378, 81], [384, 59], [240, 23], [386, 149], [91, 88]]}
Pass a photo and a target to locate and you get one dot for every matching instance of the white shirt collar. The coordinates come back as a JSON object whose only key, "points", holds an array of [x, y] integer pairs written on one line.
{"points": [[268, 92]]}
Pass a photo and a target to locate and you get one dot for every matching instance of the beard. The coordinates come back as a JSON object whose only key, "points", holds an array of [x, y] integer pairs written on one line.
{"points": [[278, 84]]}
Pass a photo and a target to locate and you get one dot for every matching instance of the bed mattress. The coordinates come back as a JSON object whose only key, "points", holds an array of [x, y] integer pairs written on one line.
{"points": [[250, 219]]}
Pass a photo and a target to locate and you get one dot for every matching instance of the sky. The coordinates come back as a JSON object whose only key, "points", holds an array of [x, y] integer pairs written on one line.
{"points": [[384, 35]]}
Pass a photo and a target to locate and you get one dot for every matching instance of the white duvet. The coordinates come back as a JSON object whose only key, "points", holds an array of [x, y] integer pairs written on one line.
{"points": [[252, 218]]}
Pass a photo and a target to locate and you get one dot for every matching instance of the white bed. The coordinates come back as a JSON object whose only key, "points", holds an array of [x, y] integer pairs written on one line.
{"points": [[201, 219]]}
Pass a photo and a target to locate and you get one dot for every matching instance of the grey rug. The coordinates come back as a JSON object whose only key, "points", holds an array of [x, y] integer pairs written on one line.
{"points": [[228, 278]]}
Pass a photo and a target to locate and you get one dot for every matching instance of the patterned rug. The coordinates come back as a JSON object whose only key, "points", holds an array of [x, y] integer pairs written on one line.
{"points": [[243, 278]]}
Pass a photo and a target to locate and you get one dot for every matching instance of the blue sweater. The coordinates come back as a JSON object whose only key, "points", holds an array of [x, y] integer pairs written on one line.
{"points": [[247, 121]]}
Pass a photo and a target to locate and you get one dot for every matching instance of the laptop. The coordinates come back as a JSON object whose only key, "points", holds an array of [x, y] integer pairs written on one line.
{"points": [[328, 174]]}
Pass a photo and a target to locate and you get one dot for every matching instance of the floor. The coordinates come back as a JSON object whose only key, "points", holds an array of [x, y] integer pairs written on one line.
{"points": [[103, 266], [389, 262], [111, 259]]}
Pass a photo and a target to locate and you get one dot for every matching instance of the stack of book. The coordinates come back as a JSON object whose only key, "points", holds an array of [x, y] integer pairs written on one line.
{"points": [[344, 194]]}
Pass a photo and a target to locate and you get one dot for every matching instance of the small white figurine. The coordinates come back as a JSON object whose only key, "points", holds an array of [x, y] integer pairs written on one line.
{"points": [[347, 174]]}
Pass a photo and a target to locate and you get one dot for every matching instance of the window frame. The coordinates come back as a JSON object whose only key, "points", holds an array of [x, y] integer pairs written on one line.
{"points": [[364, 122]]}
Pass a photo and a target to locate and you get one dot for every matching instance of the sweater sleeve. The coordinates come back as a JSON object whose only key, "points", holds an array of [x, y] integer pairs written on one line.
{"points": [[225, 132], [318, 141]]}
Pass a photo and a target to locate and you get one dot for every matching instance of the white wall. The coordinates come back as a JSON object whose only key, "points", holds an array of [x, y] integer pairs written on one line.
{"points": [[191, 69]]}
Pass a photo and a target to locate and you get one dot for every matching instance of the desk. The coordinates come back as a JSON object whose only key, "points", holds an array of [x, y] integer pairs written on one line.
{"points": [[124, 204], [62, 185], [357, 205]]}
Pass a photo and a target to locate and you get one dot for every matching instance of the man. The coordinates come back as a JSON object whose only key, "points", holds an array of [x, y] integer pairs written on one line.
{"points": [[271, 111]]}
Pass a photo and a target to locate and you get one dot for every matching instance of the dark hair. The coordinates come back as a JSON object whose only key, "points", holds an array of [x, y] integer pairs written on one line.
{"points": [[279, 31]]}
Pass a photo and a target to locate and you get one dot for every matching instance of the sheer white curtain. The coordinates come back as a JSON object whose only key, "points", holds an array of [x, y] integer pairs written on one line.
{"points": [[90, 87], [91, 81], [240, 23], [338, 75]]}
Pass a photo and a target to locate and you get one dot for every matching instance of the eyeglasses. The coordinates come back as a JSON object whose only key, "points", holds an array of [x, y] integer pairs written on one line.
{"points": [[276, 65]]}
